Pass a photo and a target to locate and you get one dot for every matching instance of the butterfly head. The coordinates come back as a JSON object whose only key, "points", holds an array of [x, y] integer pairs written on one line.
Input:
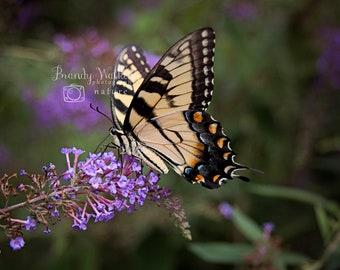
{"points": [[113, 131]]}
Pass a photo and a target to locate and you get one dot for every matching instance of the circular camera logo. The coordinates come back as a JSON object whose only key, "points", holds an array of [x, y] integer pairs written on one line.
{"points": [[74, 93]]}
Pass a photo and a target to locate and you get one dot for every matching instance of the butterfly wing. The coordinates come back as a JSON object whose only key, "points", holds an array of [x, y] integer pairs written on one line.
{"points": [[181, 80], [162, 117], [193, 144], [128, 74]]}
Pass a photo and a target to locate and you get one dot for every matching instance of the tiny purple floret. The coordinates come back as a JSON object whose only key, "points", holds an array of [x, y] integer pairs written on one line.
{"points": [[226, 210], [17, 243]]}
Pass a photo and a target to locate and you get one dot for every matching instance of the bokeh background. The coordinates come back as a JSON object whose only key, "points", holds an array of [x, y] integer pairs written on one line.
{"points": [[277, 83]]}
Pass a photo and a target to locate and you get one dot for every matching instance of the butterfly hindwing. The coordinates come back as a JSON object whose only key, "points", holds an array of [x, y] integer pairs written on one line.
{"points": [[193, 144]]}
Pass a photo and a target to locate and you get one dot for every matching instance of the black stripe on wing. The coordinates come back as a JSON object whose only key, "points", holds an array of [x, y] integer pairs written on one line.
{"points": [[128, 74]]}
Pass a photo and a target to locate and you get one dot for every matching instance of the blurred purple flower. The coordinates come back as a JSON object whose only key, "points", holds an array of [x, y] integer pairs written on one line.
{"points": [[151, 59], [92, 34], [17, 243], [27, 14], [63, 43], [242, 10], [268, 227], [80, 51], [328, 64], [53, 109], [226, 210], [126, 17], [100, 48]]}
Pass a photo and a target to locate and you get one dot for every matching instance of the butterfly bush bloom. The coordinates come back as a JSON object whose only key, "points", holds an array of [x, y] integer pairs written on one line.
{"points": [[151, 58], [83, 71], [17, 243], [96, 189]]}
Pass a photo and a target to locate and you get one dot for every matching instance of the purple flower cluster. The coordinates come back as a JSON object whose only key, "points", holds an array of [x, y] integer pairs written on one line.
{"points": [[78, 50], [95, 189], [86, 60], [115, 187], [52, 110]]}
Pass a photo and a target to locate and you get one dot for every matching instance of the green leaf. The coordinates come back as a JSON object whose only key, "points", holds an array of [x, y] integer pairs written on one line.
{"points": [[285, 259], [221, 252], [323, 223], [294, 194], [293, 258], [246, 225]]}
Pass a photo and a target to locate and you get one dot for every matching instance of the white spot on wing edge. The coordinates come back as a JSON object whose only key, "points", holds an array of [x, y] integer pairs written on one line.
{"points": [[206, 70], [205, 60], [205, 42], [205, 33]]}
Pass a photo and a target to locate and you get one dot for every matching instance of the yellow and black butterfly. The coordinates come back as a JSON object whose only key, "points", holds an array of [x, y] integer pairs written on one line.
{"points": [[159, 114]]}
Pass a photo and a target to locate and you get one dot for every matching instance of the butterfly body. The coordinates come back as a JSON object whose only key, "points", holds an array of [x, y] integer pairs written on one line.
{"points": [[159, 114]]}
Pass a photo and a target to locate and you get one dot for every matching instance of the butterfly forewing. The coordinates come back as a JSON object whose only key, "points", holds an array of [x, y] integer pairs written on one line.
{"points": [[129, 72], [181, 80]]}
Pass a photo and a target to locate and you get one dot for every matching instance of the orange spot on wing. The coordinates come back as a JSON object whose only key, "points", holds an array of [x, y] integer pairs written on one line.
{"points": [[216, 177], [213, 128], [220, 142], [199, 178], [197, 116], [226, 155]]}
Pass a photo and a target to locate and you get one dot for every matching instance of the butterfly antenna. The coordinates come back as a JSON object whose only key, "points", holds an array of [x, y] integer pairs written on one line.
{"points": [[98, 111]]}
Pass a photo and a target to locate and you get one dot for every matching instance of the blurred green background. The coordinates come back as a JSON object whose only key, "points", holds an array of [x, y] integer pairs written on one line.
{"points": [[277, 83]]}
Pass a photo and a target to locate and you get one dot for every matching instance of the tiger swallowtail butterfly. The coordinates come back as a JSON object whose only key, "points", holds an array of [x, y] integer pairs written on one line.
{"points": [[159, 115]]}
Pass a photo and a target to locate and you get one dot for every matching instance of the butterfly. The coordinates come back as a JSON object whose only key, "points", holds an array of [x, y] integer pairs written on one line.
{"points": [[159, 115]]}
